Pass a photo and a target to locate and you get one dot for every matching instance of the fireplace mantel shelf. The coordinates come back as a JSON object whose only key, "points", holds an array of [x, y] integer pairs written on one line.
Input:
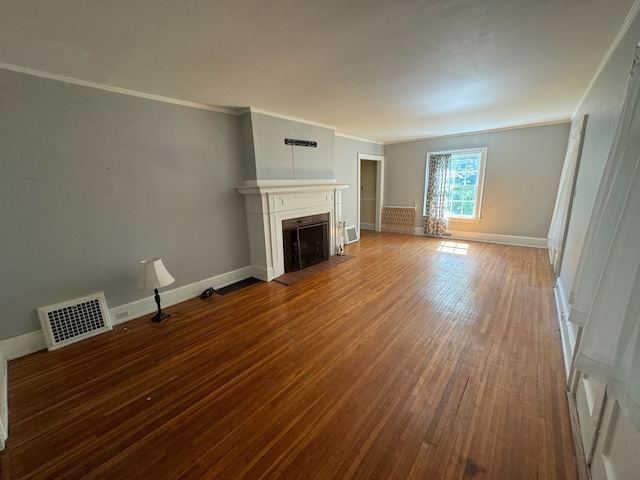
{"points": [[269, 203], [290, 188]]}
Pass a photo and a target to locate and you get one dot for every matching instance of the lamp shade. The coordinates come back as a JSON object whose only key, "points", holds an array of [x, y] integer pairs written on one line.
{"points": [[153, 274]]}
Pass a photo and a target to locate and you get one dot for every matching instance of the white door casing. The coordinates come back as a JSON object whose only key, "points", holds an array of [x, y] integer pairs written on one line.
{"points": [[379, 187]]}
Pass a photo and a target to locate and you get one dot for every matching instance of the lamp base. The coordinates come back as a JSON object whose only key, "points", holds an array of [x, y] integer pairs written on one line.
{"points": [[159, 317]]}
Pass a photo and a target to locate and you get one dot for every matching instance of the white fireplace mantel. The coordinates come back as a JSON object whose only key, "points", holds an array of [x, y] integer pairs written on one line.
{"points": [[267, 204]]}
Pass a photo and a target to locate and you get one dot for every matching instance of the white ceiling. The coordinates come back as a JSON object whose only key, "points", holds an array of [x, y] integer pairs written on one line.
{"points": [[376, 69]]}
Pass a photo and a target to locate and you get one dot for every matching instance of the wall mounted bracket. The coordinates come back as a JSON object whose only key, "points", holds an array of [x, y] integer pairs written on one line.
{"points": [[300, 143]]}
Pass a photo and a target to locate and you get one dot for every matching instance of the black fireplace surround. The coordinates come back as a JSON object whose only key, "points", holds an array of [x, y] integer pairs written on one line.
{"points": [[306, 241]]}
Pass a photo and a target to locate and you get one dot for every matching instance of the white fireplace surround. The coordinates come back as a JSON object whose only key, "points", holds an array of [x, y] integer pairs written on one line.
{"points": [[268, 203]]}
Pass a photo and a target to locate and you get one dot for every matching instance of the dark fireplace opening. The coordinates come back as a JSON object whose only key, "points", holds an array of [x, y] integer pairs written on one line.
{"points": [[306, 241]]}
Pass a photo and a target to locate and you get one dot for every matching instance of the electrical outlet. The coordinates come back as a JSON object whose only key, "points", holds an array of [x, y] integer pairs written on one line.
{"points": [[122, 314]]}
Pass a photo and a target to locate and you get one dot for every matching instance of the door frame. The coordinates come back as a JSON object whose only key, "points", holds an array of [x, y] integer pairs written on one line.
{"points": [[577, 135], [379, 187]]}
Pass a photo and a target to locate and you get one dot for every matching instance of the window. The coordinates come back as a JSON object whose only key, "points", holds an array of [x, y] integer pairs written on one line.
{"points": [[465, 179]]}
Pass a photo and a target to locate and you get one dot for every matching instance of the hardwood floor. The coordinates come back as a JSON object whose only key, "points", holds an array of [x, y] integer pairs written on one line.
{"points": [[404, 363]]}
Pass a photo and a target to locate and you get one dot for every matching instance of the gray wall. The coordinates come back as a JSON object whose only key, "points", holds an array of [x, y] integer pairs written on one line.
{"points": [[92, 182], [603, 103], [273, 159], [521, 178], [346, 155], [249, 152]]}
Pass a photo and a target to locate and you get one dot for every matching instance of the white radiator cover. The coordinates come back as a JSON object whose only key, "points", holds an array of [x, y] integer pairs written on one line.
{"points": [[74, 320]]}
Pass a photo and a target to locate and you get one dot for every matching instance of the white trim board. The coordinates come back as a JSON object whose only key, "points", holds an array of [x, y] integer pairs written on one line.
{"points": [[635, 8], [379, 159], [22, 345], [285, 117], [351, 137], [123, 91], [144, 306], [492, 238], [290, 182], [32, 342], [568, 331], [478, 132]]}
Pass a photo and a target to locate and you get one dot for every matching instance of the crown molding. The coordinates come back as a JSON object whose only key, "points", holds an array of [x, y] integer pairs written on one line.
{"points": [[612, 48], [123, 91], [351, 137], [479, 132], [285, 117]]}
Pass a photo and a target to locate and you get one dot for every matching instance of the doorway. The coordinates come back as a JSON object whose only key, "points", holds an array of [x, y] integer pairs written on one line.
{"points": [[370, 191]]}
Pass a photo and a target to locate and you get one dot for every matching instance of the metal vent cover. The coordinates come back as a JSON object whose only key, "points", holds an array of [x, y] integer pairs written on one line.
{"points": [[351, 234], [74, 320]]}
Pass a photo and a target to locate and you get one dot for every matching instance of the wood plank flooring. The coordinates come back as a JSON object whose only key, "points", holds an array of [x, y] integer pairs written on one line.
{"points": [[414, 360]]}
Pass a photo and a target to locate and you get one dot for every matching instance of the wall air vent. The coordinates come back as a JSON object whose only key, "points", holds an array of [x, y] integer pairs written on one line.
{"points": [[350, 234], [74, 320]]}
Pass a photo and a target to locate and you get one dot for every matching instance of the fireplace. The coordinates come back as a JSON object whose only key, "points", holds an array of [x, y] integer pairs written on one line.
{"points": [[305, 241], [274, 207]]}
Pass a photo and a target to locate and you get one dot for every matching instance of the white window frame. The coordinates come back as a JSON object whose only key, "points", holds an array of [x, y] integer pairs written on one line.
{"points": [[479, 192]]}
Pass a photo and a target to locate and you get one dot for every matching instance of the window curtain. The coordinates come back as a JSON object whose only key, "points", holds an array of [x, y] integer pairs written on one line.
{"points": [[435, 223], [606, 298]]}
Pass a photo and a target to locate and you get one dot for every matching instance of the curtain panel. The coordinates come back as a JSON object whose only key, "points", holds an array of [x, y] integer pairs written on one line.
{"points": [[435, 222], [606, 293]]}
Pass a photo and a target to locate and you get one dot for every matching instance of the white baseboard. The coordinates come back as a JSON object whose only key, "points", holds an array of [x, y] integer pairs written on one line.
{"points": [[367, 226], [493, 238], [144, 306], [262, 273], [4, 405], [32, 342], [22, 345]]}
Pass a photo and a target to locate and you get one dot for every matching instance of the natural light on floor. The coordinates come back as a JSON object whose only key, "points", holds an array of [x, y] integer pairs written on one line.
{"points": [[453, 247]]}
